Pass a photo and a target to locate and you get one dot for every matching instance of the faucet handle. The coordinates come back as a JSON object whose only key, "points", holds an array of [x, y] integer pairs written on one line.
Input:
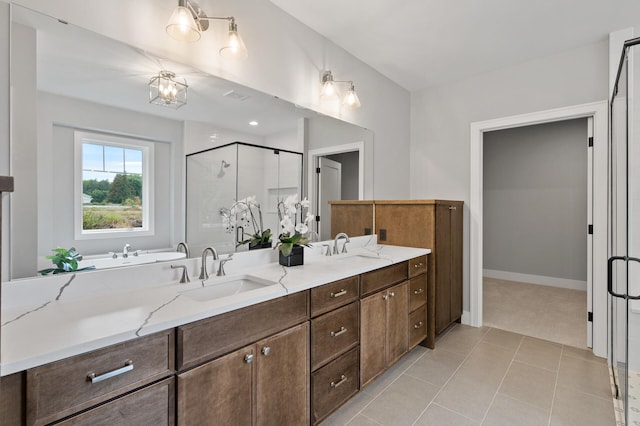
{"points": [[344, 247], [113, 255], [185, 276], [221, 272], [328, 246]]}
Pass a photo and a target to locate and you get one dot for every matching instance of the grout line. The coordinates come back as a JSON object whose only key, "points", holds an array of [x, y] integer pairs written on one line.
{"points": [[452, 375], [555, 386], [502, 381]]}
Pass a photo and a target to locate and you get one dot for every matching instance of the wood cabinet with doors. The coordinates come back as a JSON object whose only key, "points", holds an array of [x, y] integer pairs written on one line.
{"points": [[248, 366], [417, 301], [265, 383], [434, 224], [335, 337], [384, 329]]}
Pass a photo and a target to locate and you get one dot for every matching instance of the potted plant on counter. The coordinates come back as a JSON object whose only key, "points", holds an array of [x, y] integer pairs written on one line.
{"points": [[293, 232], [243, 214]]}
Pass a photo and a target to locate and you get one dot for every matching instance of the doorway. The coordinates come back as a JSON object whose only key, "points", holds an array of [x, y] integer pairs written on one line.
{"points": [[345, 184], [597, 268], [535, 227]]}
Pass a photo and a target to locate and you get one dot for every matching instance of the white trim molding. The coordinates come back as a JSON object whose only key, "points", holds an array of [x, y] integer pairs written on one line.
{"points": [[599, 112]]}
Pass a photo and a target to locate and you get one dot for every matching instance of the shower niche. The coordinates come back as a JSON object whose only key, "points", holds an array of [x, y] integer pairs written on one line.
{"points": [[219, 176]]}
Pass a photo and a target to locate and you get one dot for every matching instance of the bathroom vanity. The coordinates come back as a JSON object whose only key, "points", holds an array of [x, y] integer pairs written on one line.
{"points": [[289, 352]]}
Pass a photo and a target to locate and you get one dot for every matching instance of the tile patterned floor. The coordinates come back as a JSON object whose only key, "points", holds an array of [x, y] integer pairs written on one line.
{"points": [[549, 313], [486, 376]]}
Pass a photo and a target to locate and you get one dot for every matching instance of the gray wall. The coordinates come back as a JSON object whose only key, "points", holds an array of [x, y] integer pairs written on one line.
{"points": [[440, 117], [535, 200], [350, 166]]}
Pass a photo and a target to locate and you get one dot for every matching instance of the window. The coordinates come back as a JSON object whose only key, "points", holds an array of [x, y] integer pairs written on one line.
{"points": [[113, 186]]}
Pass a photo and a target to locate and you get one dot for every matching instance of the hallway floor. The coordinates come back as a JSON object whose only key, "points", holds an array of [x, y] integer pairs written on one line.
{"points": [[486, 376], [549, 313]]}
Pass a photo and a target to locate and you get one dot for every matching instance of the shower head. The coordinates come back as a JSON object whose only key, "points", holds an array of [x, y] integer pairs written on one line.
{"points": [[225, 164]]}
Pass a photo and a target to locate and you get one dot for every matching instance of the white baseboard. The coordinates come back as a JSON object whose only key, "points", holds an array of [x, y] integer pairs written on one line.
{"points": [[466, 318], [536, 279]]}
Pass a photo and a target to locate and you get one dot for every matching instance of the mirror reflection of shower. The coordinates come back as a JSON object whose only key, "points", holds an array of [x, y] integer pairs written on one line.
{"points": [[223, 166]]}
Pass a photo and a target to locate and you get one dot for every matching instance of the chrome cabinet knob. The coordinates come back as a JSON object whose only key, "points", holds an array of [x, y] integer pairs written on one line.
{"points": [[392, 294], [266, 351], [248, 358]]}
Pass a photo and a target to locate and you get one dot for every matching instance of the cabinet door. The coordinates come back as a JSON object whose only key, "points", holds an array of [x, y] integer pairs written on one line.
{"points": [[408, 225], [456, 261], [220, 390], [397, 322], [372, 336], [282, 378], [443, 267]]}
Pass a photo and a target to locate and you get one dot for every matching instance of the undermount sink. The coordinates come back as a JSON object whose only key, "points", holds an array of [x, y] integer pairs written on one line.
{"points": [[356, 257], [228, 287]]}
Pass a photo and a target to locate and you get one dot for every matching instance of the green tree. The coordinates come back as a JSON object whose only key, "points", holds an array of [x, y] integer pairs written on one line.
{"points": [[136, 181], [121, 188]]}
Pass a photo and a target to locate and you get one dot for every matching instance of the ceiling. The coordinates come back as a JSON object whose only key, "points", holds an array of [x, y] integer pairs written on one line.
{"points": [[424, 43]]}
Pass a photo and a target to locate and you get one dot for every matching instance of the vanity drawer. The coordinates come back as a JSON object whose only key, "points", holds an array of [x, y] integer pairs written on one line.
{"points": [[203, 340], [417, 266], [333, 333], [153, 405], [417, 326], [333, 295], [334, 384], [373, 281], [65, 387], [417, 292]]}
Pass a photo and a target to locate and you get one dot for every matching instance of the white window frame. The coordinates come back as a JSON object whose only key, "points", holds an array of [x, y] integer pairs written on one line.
{"points": [[148, 228]]}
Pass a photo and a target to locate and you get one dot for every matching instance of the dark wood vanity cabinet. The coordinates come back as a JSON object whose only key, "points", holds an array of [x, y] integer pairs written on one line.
{"points": [[417, 300], [265, 383], [384, 313], [335, 338]]}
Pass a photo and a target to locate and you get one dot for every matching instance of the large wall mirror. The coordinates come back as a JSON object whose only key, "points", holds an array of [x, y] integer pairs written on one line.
{"points": [[75, 92]]}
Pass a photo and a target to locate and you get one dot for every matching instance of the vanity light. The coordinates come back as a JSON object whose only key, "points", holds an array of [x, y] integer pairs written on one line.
{"points": [[330, 91], [168, 90], [188, 21]]}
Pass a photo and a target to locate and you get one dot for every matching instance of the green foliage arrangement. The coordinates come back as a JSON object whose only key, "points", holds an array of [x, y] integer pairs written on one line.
{"points": [[65, 260]]}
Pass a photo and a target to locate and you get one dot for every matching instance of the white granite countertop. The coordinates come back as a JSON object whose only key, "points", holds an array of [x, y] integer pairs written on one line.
{"points": [[46, 319]]}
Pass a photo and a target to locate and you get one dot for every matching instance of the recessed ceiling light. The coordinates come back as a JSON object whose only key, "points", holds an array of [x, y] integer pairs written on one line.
{"points": [[253, 123]]}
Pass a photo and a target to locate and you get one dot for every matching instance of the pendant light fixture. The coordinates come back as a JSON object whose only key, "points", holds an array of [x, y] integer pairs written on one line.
{"points": [[168, 90], [188, 21], [330, 91]]}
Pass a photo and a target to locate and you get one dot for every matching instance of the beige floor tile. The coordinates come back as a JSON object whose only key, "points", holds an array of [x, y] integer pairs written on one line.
{"points": [[505, 339], [529, 384], [585, 376], [436, 367], [508, 411], [348, 411], [461, 339], [539, 353], [385, 379], [440, 416], [574, 408], [361, 420], [469, 392], [402, 402], [584, 354]]}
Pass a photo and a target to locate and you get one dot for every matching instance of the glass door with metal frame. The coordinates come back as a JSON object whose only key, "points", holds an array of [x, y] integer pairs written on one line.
{"points": [[624, 237]]}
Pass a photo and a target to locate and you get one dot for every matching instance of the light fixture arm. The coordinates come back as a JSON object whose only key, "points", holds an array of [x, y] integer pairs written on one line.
{"points": [[200, 15]]}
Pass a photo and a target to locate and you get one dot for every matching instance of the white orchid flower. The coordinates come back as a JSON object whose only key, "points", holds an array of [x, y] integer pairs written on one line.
{"points": [[287, 226], [305, 203], [310, 217], [302, 228]]}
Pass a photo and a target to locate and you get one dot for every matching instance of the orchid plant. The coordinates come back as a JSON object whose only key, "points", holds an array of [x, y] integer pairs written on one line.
{"points": [[293, 232], [243, 214]]}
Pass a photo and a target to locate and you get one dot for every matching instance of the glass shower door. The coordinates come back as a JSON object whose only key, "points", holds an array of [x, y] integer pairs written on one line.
{"points": [[624, 239]]}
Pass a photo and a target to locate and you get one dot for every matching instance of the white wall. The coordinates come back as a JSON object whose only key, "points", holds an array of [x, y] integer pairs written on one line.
{"points": [[440, 117], [4, 132], [535, 200], [285, 59]]}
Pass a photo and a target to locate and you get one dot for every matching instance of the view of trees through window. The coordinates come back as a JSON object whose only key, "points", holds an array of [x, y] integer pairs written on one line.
{"points": [[111, 187]]}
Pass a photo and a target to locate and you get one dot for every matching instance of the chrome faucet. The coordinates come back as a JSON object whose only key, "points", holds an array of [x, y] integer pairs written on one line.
{"points": [[335, 243], [203, 269], [184, 278], [125, 250], [185, 247]]}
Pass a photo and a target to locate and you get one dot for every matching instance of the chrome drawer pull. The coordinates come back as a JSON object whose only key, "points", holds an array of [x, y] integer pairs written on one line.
{"points": [[128, 366], [343, 379], [418, 291], [342, 292], [418, 265], [418, 325], [337, 333], [453, 208]]}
